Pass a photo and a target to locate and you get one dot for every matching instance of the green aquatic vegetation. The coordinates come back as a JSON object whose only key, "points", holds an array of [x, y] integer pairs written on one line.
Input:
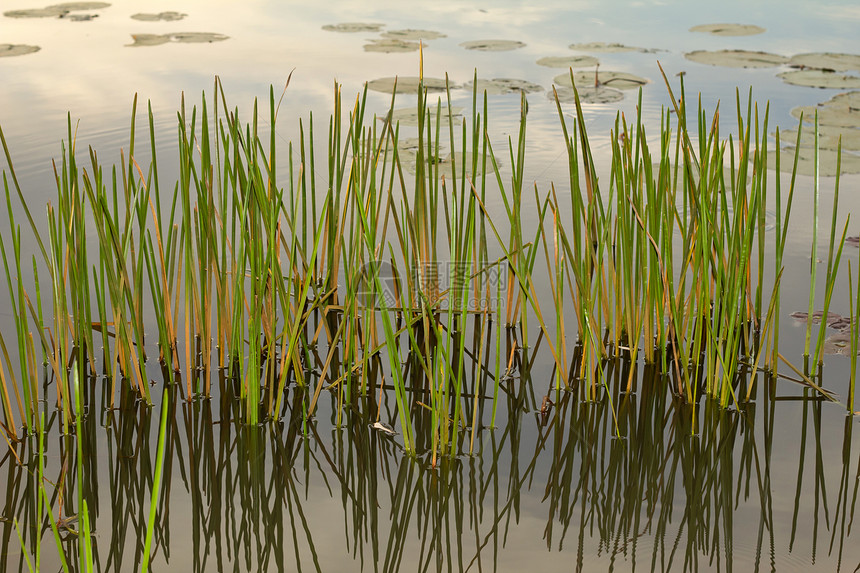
{"points": [[346, 272]]}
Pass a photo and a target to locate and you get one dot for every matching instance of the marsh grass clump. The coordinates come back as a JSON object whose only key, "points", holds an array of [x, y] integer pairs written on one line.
{"points": [[353, 277]]}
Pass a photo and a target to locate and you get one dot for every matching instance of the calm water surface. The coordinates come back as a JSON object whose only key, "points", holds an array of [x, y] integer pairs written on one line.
{"points": [[771, 486]]}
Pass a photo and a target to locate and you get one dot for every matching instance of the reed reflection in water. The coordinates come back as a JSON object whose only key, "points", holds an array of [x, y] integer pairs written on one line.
{"points": [[684, 488]]}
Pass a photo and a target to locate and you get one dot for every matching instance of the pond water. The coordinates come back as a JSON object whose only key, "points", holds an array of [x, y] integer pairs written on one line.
{"points": [[768, 486]]}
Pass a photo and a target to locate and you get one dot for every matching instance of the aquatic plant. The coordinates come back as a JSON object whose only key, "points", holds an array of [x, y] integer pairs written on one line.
{"points": [[366, 279]]}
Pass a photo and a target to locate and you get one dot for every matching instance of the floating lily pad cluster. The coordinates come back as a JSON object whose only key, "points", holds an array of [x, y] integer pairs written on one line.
{"points": [[67, 9], [592, 87], [143, 40], [53, 11], [838, 118], [819, 70], [390, 41], [838, 121], [59, 11]]}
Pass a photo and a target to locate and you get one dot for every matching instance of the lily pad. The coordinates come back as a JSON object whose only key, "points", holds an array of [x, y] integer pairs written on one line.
{"points": [[411, 34], [728, 29], [81, 17], [827, 61], [839, 343], [607, 48], [409, 115], [587, 94], [493, 45], [736, 58], [806, 161], [829, 115], [353, 27], [408, 84], [820, 79], [568, 61], [500, 86], [160, 17], [828, 137], [617, 80], [849, 99], [11, 50], [834, 321], [390, 46], [141, 40], [56, 10]]}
